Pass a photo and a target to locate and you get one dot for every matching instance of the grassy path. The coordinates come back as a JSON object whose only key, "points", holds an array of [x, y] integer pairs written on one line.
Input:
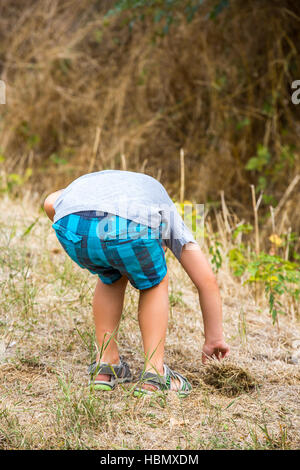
{"points": [[250, 401]]}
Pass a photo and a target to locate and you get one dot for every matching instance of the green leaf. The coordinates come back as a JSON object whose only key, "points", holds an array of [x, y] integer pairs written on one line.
{"points": [[245, 122], [262, 183], [244, 228], [57, 159], [252, 164], [260, 160], [30, 227]]}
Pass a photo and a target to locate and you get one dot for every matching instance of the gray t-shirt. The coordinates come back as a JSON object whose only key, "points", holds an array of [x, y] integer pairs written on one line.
{"points": [[134, 196]]}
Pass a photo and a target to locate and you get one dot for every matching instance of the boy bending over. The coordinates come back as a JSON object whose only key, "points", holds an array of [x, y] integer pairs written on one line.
{"points": [[117, 224]]}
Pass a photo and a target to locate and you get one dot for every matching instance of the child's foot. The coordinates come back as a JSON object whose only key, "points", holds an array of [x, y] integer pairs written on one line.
{"points": [[175, 383], [102, 377], [167, 380], [105, 377], [108, 375]]}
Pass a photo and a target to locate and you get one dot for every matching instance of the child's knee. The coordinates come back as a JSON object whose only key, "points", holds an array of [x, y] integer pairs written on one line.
{"points": [[48, 205], [49, 202]]}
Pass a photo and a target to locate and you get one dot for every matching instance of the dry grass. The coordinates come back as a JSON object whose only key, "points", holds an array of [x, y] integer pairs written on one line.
{"points": [[82, 90], [47, 340], [229, 379]]}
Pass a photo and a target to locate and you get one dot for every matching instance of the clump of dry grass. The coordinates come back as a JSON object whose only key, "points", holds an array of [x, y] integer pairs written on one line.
{"points": [[229, 379]]}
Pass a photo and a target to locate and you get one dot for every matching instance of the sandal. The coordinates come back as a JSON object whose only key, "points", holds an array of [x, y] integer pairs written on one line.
{"points": [[119, 373], [162, 383]]}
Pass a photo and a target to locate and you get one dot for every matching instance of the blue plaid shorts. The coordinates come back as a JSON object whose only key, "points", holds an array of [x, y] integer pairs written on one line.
{"points": [[111, 246]]}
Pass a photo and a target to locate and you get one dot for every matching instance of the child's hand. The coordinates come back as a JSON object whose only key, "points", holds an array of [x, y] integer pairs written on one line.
{"points": [[217, 349]]}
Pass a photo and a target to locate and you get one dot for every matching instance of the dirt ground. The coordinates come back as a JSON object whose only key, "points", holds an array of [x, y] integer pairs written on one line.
{"points": [[250, 401]]}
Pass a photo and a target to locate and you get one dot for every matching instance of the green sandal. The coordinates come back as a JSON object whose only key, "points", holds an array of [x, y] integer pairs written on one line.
{"points": [[162, 383], [119, 373]]}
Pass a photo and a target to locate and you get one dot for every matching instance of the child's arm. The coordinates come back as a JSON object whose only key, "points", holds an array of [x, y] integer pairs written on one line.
{"points": [[200, 272], [48, 204]]}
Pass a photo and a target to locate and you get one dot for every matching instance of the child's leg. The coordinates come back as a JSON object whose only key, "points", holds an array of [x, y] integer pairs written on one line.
{"points": [[49, 202], [153, 321], [107, 309]]}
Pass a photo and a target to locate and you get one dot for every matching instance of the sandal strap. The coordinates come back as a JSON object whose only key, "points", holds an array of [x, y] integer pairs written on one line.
{"points": [[120, 370], [158, 381], [170, 374], [163, 382], [175, 375], [110, 384]]}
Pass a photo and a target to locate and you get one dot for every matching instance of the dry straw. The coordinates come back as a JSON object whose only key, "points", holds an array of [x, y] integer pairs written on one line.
{"points": [[229, 379], [74, 78]]}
